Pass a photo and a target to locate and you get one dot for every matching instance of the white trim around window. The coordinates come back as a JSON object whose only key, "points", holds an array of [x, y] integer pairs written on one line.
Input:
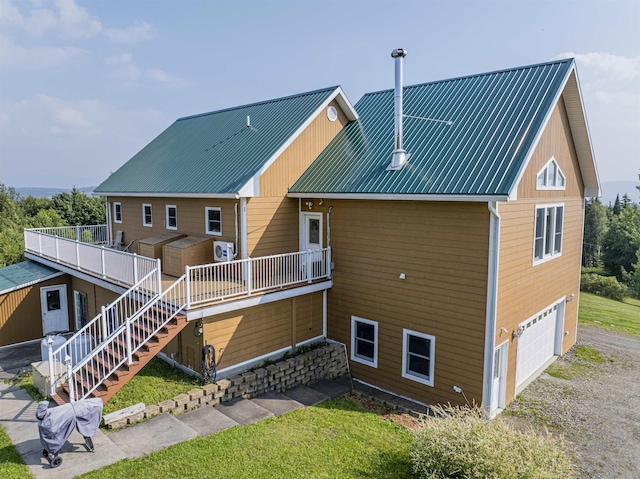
{"points": [[117, 212], [172, 217], [147, 214], [547, 232], [550, 177], [213, 221], [418, 356], [364, 341]]}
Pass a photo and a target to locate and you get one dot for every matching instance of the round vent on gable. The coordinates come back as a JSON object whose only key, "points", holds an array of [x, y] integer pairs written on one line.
{"points": [[332, 113]]}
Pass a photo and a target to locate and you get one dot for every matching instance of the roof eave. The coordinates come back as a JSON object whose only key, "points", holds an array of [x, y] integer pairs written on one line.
{"points": [[160, 194], [399, 196]]}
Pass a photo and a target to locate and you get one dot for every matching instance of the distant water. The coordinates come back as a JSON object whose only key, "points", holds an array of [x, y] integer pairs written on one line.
{"points": [[49, 192]]}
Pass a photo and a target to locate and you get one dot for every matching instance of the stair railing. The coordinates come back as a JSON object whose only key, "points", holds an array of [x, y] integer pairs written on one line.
{"points": [[86, 340], [119, 346]]}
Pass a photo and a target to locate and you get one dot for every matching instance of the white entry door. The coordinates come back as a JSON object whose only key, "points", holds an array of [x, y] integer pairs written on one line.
{"points": [[498, 386], [55, 314], [311, 240]]}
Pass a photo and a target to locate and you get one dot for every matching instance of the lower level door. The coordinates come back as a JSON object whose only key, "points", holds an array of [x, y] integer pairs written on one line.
{"points": [[499, 377], [55, 313]]}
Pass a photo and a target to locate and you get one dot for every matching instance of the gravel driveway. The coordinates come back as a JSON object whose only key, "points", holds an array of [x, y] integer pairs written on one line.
{"points": [[597, 411]]}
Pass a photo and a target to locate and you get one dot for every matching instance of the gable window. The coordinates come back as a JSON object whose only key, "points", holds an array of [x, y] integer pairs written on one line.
{"points": [[364, 341], [117, 212], [147, 217], [551, 177], [547, 242], [172, 217], [418, 356], [213, 221]]}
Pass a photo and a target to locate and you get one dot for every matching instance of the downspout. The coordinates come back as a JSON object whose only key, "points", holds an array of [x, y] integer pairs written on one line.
{"points": [[492, 307], [329, 226], [243, 212]]}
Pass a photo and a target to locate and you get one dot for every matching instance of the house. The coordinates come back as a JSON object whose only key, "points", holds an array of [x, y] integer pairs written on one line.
{"points": [[434, 229]]}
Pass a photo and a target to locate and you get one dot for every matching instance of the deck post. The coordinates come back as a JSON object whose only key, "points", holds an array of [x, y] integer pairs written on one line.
{"points": [[103, 318], [249, 276], [135, 268], [159, 268], [104, 274], [309, 263], [187, 286], [57, 250], [52, 386], [328, 270], [78, 255], [129, 355], [78, 233], [72, 395]]}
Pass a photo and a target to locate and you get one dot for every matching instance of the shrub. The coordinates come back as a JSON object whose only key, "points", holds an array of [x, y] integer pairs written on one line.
{"points": [[465, 445], [607, 286]]}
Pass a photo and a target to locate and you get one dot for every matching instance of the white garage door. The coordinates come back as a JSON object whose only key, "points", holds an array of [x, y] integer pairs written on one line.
{"points": [[538, 342]]}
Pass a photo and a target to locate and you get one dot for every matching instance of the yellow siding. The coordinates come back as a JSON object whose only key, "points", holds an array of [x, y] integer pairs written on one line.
{"points": [[191, 218], [21, 312], [442, 250], [277, 180], [96, 297], [525, 289], [272, 226]]}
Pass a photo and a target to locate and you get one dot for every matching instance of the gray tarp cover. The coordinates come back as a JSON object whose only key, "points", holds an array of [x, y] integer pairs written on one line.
{"points": [[56, 424]]}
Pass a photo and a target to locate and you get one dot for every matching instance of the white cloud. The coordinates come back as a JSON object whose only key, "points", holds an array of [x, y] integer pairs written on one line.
{"points": [[69, 21], [164, 78], [36, 58], [128, 74], [131, 34]]}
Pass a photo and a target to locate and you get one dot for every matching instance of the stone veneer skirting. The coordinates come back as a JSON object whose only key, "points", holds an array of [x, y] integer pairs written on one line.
{"points": [[326, 362]]}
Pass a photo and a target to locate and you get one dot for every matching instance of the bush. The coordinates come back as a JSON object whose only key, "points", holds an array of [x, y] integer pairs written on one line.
{"points": [[607, 286], [462, 444]]}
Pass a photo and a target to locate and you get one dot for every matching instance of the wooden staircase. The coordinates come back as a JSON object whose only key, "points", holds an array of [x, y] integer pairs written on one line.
{"points": [[112, 384]]}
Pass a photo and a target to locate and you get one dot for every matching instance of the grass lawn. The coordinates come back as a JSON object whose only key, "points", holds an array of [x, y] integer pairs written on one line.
{"points": [[610, 314], [156, 382], [337, 439], [11, 464]]}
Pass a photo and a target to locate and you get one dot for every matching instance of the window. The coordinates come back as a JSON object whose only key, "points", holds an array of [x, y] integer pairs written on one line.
{"points": [[364, 341], [81, 308], [213, 221], [147, 217], [117, 212], [418, 356], [547, 241], [172, 217], [551, 177]]}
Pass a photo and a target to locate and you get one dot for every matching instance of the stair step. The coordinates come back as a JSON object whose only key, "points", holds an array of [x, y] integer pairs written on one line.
{"points": [[60, 398]]}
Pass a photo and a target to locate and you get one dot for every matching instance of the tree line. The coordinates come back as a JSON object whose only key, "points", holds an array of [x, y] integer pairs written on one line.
{"points": [[612, 239], [63, 209]]}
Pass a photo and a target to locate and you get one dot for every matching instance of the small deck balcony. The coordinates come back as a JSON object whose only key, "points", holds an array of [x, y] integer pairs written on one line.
{"points": [[85, 249]]}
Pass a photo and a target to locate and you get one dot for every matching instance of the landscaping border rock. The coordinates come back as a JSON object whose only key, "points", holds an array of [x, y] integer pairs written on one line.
{"points": [[326, 362]]}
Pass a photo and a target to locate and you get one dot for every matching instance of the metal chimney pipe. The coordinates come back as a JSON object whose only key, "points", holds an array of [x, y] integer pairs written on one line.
{"points": [[399, 154]]}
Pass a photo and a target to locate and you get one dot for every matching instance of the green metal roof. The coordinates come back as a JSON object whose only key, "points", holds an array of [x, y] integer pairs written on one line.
{"points": [[496, 119], [23, 274], [215, 153]]}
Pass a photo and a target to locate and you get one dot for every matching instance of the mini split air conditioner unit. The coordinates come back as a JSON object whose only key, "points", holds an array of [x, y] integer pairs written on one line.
{"points": [[223, 251]]}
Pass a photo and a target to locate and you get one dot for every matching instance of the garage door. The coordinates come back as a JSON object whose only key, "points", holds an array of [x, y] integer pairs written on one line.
{"points": [[537, 343]]}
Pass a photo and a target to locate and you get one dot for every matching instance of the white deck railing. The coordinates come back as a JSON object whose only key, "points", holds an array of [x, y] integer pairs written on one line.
{"points": [[220, 281], [82, 247]]}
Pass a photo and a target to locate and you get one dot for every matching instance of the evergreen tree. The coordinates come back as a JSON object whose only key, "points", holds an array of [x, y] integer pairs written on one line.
{"points": [[621, 241], [616, 206], [76, 208], [596, 223]]}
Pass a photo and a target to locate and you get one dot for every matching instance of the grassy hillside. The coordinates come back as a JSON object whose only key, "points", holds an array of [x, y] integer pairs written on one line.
{"points": [[610, 314]]}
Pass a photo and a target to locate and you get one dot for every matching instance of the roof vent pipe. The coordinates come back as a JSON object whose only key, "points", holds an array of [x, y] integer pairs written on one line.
{"points": [[399, 155]]}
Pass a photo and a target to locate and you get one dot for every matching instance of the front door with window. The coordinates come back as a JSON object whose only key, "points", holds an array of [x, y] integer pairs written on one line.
{"points": [[55, 314], [311, 240]]}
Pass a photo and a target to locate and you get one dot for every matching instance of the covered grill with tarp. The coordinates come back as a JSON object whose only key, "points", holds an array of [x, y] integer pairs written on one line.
{"points": [[56, 424]]}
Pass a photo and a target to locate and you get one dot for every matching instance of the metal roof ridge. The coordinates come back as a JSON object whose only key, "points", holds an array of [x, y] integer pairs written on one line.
{"points": [[263, 102], [474, 75]]}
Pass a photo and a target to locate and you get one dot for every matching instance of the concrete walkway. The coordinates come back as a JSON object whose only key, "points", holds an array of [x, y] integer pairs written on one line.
{"points": [[17, 417]]}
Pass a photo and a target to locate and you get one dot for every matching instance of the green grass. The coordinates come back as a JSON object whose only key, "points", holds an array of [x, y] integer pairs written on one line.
{"points": [[589, 354], [610, 314], [25, 381], [156, 382], [337, 439], [583, 365], [11, 464]]}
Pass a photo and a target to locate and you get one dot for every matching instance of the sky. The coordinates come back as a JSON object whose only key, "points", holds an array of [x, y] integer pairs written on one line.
{"points": [[85, 85]]}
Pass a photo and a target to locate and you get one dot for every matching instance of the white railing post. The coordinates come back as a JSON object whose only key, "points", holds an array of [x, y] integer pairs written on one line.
{"points": [[39, 243], [103, 267], [158, 267], [78, 255], [103, 323], [70, 382], [328, 270], [129, 355], [78, 238], [249, 271], [57, 250], [187, 286], [309, 262], [135, 268], [52, 379]]}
